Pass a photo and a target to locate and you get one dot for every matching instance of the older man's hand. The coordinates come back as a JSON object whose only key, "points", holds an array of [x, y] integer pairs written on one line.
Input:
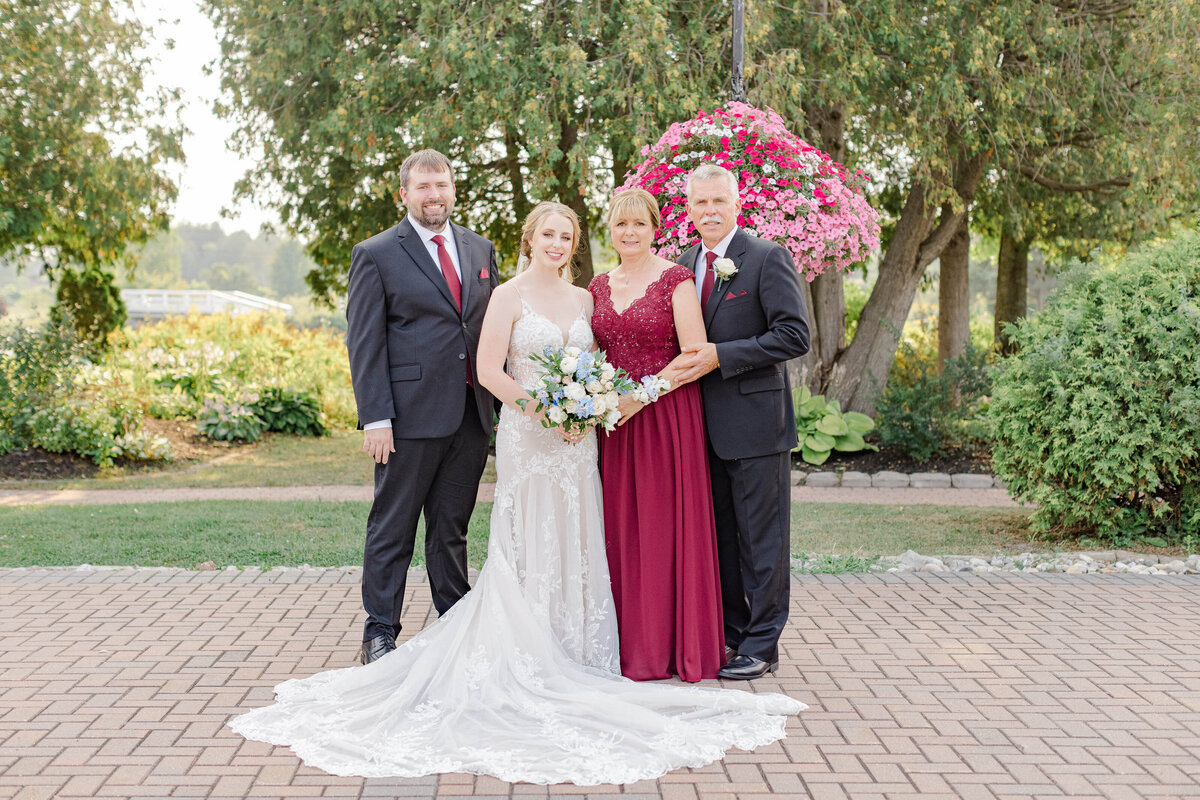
{"points": [[695, 362]]}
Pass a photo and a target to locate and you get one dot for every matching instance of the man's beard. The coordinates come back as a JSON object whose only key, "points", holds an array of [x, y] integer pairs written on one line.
{"points": [[434, 220]]}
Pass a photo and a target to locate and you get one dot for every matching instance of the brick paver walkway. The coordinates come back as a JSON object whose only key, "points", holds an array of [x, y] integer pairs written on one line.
{"points": [[118, 683]]}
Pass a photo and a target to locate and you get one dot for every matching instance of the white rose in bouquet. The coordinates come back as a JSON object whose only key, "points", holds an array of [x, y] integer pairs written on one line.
{"points": [[556, 415], [569, 364], [574, 391], [595, 387]]}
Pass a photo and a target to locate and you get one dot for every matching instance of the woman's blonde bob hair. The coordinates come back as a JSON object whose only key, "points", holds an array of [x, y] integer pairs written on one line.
{"points": [[634, 203], [536, 217]]}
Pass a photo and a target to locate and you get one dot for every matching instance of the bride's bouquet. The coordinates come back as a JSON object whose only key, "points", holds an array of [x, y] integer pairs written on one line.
{"points": [[578, 389]]}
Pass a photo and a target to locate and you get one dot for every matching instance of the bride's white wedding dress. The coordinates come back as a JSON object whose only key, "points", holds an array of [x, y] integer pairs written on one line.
{"points": [[520, 679]]}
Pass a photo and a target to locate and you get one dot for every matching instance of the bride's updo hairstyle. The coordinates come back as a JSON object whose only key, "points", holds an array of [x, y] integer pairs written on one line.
{"points": [[634, 203], [534, 221]]}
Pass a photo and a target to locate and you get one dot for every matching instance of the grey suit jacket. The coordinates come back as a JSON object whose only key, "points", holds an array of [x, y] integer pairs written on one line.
{"points": [[758, 321], [410, 346]]}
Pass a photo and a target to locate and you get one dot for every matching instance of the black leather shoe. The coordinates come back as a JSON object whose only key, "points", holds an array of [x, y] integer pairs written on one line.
{"points": [[730, 653], [747, 668], [377, 648]]}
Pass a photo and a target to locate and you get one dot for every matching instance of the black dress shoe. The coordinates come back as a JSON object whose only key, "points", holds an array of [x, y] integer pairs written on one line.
{"points": [[730, 653], [747, 668], [377, 648]]}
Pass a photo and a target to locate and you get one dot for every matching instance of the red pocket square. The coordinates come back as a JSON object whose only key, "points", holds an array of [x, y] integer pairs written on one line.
{"points": [[731, 295], [483, 273]]}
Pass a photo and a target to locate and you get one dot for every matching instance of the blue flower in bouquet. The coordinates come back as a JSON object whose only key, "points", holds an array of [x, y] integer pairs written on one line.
{"points": [[577, 389]]}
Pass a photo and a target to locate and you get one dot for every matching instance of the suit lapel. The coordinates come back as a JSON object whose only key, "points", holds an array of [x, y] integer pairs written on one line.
{"points": [[415, 248], [735, 251]]}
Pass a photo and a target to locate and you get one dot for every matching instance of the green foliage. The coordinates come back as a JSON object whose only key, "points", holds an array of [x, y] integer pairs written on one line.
{"points": [[288, 411], [821, 427], [526, 99], [72, 84], [1097, 417], [921, 411], [201, 356], [229, 420], [101, 432], [36, 368], [52, 397], [90, 301]]}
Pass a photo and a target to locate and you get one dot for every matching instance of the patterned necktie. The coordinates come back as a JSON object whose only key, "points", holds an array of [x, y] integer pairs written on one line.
{"points": [[707, 287], [448, 270]]}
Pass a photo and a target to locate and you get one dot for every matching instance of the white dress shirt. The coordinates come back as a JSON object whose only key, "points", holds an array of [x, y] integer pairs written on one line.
{"points": [[427, 239], [702, 261]]}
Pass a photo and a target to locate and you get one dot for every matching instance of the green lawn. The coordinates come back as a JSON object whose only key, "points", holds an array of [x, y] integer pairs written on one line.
{"points": [[319, 533], [275, 460]]}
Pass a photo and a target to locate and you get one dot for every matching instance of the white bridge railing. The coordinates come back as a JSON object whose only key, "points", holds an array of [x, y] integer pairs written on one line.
{"points": [[154, 303]]}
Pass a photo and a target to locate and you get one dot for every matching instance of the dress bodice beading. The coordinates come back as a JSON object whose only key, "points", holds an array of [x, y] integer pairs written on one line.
{"points": [[642, 339]]}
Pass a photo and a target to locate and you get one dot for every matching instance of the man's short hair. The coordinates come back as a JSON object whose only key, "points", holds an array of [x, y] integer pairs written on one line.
{"points": [[708, 171], [425, 160]]}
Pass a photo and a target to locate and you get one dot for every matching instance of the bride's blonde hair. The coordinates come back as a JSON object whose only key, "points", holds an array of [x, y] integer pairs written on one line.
{"points": [[535, 219]]}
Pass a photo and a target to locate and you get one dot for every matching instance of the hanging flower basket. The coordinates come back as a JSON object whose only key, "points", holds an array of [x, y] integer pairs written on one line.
{"points": [[791, 192]]}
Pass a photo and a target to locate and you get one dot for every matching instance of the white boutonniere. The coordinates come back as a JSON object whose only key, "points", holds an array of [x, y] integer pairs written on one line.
{"points": [[724, 268]]}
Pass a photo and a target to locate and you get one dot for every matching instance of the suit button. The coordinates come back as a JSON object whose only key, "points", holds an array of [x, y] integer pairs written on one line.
{"points": [[462, 356]]}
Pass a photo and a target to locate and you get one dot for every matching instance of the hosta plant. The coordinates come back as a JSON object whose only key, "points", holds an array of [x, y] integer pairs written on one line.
{"points": [[822, 427]]}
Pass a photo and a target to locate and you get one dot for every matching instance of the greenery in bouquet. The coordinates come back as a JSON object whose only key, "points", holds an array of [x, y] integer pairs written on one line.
{"points": [[578, 389], [792, 193]]}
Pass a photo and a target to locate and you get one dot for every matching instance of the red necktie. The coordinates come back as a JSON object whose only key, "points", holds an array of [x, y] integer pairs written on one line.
{"points": [[452, 281], [707, 287], [448, 270]]}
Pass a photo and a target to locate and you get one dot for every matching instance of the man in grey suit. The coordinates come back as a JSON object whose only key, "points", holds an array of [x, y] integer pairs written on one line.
{"points": [[754, 312], [417, 297]]}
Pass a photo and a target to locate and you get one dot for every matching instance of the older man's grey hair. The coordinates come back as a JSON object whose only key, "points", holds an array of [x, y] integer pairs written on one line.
{"points": [[708, 171]]}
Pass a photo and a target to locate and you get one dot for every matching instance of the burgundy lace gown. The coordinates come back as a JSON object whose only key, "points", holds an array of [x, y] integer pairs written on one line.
{"points": [[658, 514]]}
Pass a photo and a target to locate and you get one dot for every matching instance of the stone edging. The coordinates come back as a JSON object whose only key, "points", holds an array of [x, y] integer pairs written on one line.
{"points": [[895, 480]]}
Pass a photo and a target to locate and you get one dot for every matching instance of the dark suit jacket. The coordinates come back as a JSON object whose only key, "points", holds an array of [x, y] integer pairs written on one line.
{"points": [[409, 344], [758, 321]]}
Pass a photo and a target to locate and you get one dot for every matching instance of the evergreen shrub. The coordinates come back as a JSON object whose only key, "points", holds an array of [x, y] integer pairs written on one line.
{"points": [[1096, 418]]}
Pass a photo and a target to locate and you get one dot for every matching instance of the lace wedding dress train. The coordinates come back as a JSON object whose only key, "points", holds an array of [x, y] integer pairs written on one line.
{"points": [[520, 679]]}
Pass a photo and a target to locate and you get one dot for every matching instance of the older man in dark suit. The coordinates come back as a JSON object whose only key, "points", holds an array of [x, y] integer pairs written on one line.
{"points": [[756, 320], [418, 293]]}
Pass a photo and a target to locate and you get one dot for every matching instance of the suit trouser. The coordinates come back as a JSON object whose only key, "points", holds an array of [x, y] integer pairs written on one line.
{"points": [[440, 477], [752, 504]]}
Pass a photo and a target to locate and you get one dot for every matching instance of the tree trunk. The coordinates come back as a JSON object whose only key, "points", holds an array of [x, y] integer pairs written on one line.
{"points": [[1012, 285], [954, 299], [571, 193], [825, 126], [827, 328], [860, 372], [512, 152]]}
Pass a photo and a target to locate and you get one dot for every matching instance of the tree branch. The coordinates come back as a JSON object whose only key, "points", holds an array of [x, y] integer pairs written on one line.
{"points": [[1106, 187]]}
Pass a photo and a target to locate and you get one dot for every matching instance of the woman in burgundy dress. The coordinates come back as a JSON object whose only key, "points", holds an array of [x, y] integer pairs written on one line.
{"points": [[658, 513]]}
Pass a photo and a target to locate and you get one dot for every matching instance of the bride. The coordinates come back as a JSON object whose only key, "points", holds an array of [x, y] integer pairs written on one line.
{"points": [[521, 678]]}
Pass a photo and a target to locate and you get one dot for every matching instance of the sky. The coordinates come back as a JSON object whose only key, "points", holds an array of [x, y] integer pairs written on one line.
{"points": [[206, 179]]}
